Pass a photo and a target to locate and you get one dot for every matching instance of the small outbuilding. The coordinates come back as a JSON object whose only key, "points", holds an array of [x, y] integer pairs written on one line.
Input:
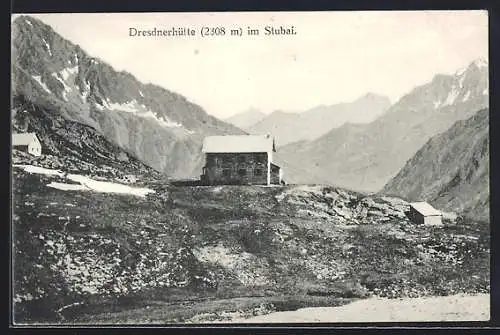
{"points": [[27, 142], [424, 213]]}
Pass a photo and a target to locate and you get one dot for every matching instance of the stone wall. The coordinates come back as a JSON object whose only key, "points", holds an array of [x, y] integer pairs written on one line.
{"points": [[235, 168]]}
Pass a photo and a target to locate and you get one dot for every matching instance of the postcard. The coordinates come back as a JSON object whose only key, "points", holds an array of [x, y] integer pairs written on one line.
{"points": [[250, 167]]}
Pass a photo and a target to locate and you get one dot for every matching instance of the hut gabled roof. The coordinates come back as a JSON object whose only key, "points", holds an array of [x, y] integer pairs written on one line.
{"points": [[425, 209], [23, 138], [238, 143]]}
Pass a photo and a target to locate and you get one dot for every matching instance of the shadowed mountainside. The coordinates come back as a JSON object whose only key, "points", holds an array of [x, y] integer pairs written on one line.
{"points": [[451, 171], [365, 157], [160, 127]]}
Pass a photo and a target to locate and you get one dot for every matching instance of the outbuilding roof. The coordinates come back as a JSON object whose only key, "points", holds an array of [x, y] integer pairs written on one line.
{"points": [[23, 138], [238, 143], [425, 209]]}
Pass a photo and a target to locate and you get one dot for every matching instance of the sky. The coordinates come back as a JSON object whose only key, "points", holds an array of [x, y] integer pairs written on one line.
{"points": [[334, 56]]}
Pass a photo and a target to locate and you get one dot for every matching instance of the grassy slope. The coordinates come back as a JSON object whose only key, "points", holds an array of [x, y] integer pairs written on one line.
{"points": [[188, 251]]}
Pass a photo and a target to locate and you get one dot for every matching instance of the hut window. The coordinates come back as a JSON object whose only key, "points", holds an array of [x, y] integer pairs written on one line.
{"points": [[242, 172], [260, 158], [241, 159], [226, 172], [258, 172], [226, 161]]}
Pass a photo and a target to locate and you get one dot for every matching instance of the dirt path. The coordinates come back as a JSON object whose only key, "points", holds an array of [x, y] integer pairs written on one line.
{"points": [[450, 308]]}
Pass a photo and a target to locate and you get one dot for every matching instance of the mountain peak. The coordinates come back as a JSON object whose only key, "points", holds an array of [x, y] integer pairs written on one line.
{"points": [[246, 118], [23, 20], [374, 96], [480, 63]]}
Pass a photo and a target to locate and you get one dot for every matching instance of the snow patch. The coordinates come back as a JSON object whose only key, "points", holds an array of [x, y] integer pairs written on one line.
{"points": [[129, 107], [39, 81], [86, 91], [140, 92], [63, 77], [67, 88], [47, 46], [39, 170], [65, 93], [65, 73], [485, 91], [461, 71], [451, 96], [466, 96], [481, 63], [68, 187], [162, 120], [437, 104], [461, 81], [102, 106], [109, 187], [85, 183], [28, 22], [133, 107]]}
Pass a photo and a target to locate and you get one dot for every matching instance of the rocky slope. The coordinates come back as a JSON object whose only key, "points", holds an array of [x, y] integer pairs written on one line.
{"points": [[451, 170], [73, 146], [246, 119], [291, 127], [104, 257], [366, 157], [160, 127]]}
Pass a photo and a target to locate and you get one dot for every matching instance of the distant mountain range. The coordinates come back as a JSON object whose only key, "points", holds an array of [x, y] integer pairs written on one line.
{"points": [[451, 170], [161, 128], [365, 157], [247, 118], [290, 127]]}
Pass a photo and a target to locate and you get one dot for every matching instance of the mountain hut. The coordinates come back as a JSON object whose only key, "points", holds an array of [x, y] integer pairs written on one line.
{"points": [[27, 142], [424, 213], [240, 160]]}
